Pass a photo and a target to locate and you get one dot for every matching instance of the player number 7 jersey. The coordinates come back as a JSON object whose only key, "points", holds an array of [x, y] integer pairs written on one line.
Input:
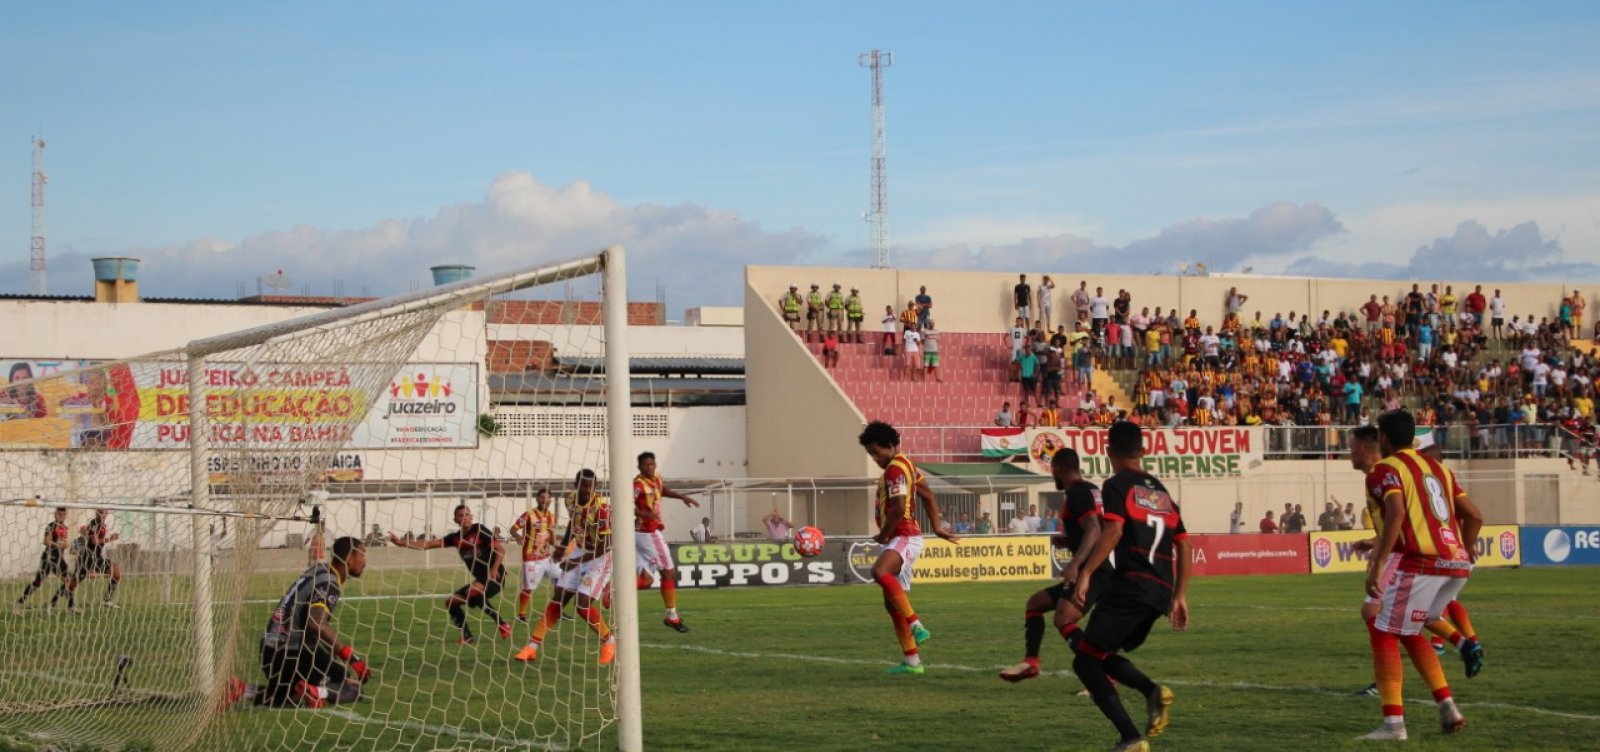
{"points": [[1151, 524]]}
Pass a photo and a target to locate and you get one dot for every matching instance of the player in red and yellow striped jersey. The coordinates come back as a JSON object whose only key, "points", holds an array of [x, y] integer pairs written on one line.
{"points": [[535, 532], [585, 570], [654, 555], [1430, 522], [895, 513], [1365, 454]]}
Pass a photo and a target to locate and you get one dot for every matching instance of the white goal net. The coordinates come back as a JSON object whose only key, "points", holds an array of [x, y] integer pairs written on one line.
{"points": [[177, 532]]}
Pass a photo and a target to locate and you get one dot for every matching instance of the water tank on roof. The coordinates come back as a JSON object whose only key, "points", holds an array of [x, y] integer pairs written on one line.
{"points": [[450, 273], [115, 269]]}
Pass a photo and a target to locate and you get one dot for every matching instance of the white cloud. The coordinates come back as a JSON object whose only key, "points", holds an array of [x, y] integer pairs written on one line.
{"points": [[697, 252]]}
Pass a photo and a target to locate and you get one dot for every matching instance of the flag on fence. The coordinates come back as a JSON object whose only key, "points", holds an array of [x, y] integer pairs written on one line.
{"points": [[1004, 442]]}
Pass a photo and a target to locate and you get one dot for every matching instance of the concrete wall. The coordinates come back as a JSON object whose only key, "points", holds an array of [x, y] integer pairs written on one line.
{"points": [[798, 421], [971, 301]]}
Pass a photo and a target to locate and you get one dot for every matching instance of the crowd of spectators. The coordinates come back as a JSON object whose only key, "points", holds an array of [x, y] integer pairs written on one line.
{"points": [[1457, 361]]}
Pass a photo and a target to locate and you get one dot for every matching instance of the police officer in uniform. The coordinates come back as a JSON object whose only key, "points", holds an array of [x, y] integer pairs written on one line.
{"points": [[856, 314], [791, 308]]}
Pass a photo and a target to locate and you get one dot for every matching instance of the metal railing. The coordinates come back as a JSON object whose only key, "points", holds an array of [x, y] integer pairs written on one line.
{"points": [[1458, 440]]}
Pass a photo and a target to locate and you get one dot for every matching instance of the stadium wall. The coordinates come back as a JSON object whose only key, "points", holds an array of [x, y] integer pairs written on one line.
{"points": [[980, 301], [798, 421]]}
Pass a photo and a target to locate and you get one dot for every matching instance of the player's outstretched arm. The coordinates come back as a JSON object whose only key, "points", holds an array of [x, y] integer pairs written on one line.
{"points": [[687, 500], [1180, 585], [930, 506], [415, 545]]}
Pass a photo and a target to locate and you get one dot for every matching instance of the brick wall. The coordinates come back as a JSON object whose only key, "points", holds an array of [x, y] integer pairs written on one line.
{"points": [[584, 313], [517, 356]]}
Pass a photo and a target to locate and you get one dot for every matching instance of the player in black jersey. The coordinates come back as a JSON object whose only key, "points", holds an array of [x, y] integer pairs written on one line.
{"points": [[1080, 525], [485, 559], [1142, 527], [93, 559], [304, 662], [53, 562]]}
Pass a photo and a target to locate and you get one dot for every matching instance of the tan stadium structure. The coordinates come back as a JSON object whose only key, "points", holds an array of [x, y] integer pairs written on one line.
{"points": [[801, 423]]}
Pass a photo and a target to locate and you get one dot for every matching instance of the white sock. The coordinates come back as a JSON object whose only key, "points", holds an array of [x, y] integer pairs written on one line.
{"points": [[320, 692], [914, 660], [672, 614], [1394, 721], [915, 623]]}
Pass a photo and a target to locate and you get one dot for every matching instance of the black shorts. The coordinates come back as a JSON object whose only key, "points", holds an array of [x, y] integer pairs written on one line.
{"points": [[1099, 582], [92, 562], [1121, 623], [283, 666], [1029, 382], [51, 562], [490, 590]]}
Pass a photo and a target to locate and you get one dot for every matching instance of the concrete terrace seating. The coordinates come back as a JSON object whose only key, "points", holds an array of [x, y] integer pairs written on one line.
{"points": [[975, 368]]}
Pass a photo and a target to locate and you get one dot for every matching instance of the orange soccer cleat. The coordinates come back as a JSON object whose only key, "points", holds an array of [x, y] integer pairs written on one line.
{"points": [[608, 652], [528, 652]]}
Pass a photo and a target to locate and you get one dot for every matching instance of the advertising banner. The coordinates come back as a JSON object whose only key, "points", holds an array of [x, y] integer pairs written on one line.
{"points": [[1169, 452], [974, 559], [1497, 546], [145, 405], [702, 565], [1335, 551], [1248, 554], [344, 467], [1566, 545]]}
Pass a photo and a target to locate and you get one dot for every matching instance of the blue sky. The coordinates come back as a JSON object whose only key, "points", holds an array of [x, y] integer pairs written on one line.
{"points": [[365, 141]]}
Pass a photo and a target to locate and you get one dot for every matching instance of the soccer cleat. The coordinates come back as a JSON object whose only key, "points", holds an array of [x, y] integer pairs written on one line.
{"points": [[505, 630], [1158, 707], [1020, 672], [529, 652], [1385, 733], [904, 668], [1438, 646], [232, 693], [675, 624], [306, 695], [1472, 657], [74, 610], [522, 618], [608, 652], [467, 640], [16, 608], [1133, 745], [1371, 690], [110, 604], [920, 633], [1450, 718]]}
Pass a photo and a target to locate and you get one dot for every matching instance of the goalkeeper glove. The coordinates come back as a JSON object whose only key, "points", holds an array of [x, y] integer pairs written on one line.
{"points": [[358, 666]]}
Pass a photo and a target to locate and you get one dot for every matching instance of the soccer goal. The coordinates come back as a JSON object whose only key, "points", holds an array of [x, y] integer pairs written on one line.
{"points": [[171, 527]]}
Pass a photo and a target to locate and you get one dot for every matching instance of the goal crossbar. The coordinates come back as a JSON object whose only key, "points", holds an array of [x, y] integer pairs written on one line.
{"points": [[292, 329]]}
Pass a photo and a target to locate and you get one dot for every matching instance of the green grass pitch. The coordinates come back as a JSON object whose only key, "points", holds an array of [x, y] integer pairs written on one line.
{"points": [[1269, 664]]}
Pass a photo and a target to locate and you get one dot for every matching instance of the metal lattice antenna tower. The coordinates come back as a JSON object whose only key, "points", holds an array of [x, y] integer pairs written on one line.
{"points": [[36, 253], [879, 216]]}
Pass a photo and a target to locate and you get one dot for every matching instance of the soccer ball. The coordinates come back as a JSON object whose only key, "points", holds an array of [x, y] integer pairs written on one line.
{"points": [[808, 541]]}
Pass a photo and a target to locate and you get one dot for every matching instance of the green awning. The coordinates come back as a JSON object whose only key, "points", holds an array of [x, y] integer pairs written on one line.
{"points": [[975, 469]]}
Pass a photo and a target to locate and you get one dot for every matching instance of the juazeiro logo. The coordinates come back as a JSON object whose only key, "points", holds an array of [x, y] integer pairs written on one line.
{"points": [[421, 394], [1508, 545], [1322, 553]]}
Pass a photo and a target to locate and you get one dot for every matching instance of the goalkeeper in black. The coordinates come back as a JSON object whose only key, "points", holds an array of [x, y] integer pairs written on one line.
{"points": [[305, 663]]}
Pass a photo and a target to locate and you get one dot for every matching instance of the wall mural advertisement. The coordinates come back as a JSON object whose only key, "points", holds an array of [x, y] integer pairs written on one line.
{"points": [[145, 405]]}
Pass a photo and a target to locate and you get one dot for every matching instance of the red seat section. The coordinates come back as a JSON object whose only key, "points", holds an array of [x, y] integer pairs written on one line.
{"points": [[937, 420]]}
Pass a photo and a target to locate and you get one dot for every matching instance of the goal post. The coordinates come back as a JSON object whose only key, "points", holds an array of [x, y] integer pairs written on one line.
{"points": [[372, 419]]}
